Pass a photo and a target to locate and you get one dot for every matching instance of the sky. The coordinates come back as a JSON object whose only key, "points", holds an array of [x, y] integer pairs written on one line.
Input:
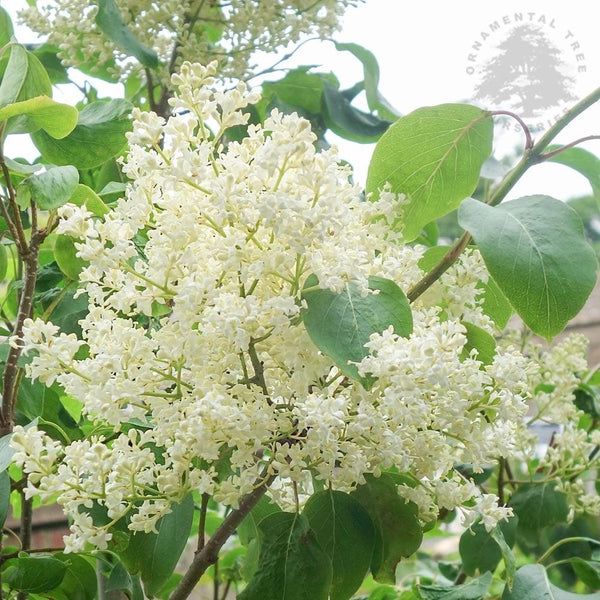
{"points": [[425, 50]]}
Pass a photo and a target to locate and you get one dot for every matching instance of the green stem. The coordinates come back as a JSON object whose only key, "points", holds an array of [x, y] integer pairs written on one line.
{"points": [[568, 540], [530, 157]]}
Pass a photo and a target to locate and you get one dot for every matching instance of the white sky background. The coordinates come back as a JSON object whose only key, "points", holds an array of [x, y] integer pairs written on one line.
{"points": [[422, 49]]}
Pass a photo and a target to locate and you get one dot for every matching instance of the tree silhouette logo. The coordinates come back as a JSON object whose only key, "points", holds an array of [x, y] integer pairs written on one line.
{"points": [[523, 71]]}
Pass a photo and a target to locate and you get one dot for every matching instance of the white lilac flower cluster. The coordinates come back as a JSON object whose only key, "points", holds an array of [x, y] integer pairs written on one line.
{"points": [[195, 355], [201, 30]]}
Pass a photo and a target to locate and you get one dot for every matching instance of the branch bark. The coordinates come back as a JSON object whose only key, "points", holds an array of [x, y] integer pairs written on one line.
{"points": [[208, 555]]}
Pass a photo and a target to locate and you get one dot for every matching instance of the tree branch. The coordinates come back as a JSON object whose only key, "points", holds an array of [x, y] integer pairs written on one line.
{"points": [[530, 158], [209, 553], [587, 138]]}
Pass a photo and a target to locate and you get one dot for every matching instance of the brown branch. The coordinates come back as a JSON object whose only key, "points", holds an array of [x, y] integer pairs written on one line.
{"points": [[202, 524], [210, 552], [25, 307], [526, 131], [548, 155]]}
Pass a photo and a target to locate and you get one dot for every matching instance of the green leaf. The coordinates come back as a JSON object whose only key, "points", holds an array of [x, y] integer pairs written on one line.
{"points": [[34, 574], [79, 582], [474, 590], [510, 563], [434, 156], [340, 324], [349, 122], [583, 162], [86, 196], [432, 257], [398, 530], [69, 311], [50, 189], [538, 505], [24, 78], [535, 250], [291, 565], [57, 119], [21, 167], [98, 136], [4, 496], [587, 571], [479, 339], [531, 583], [346, 534], [248, 529], [479, 551], [48, 56], [66, 257], [375, 100], [6, 28], [3, 260], [298, 88], [36, 402], [110, 21], [587, 399], [155, 555], [14, 75], [495, 305]]}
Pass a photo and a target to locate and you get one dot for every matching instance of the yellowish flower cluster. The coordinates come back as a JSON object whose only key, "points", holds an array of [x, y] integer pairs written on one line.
{"points": [[201, 30], [197, 356]]}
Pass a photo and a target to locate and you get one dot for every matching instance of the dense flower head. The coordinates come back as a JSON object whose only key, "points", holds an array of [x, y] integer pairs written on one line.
{"points": [[231, 32], [194, 351]]}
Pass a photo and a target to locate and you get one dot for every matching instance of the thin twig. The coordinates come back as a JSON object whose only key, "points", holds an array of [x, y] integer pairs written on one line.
{"points": [[526, 131], [587, 138], [202, 524]]}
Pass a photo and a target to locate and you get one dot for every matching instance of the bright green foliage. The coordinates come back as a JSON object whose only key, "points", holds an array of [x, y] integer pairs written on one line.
{"points": [[479, 339], [292, 565], [495, 305], [6, 27], [340, 324], [542, 264], [3, 260], [398, 531], [98, 136], [433, 156], [56, 119], [84, 195], [50, 189], [24, 78], [346, 533], [4, 496], [66, 257]]}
